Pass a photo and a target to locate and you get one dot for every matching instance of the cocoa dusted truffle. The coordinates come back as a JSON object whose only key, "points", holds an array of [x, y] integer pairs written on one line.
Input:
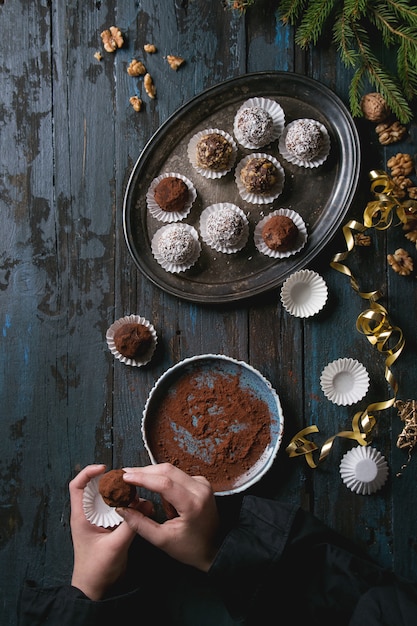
{"points": [[279, 233], [171, 194], [214, 152], [114, 490], [132, 340], [259, 175]]}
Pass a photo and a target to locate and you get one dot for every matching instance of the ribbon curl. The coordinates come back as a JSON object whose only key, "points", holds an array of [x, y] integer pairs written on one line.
{"points": [[374, 323]]}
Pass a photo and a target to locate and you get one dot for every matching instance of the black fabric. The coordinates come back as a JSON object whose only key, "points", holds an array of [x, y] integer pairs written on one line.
{"points": [[276, 560]]}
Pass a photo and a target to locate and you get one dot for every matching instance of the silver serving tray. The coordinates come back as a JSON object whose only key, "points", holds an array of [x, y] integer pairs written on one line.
{"points": [[322, 196]]}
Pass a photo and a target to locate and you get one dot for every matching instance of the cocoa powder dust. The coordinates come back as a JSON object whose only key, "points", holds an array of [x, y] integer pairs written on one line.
{"points": [[210, 426]]}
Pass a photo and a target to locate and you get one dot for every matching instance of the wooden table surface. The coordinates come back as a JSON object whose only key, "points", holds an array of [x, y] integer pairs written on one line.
{"points": [[69, 141]]}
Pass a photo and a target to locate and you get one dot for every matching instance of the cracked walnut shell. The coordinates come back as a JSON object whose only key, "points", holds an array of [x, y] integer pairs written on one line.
{"points": [[112, 39], [401, 262], [374, 107]]}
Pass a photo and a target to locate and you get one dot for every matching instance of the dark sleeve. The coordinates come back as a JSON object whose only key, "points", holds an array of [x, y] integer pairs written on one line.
{"points": [[68, 606], [279, 556]]}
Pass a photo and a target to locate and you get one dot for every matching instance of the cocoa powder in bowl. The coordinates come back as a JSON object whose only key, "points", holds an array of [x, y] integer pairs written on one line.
{"points": [[207, 420]]}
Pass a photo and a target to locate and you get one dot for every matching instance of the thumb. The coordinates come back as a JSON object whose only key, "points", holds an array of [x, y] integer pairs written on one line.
{"points": [[141, 524]]}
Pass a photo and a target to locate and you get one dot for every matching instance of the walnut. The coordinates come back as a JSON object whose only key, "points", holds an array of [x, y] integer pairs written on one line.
{"points": [[362, 240], [412, 193], [112, 39], [410, 228], [149, 86], [374, 107], [150, 48], [98, 56], [136, 103], [174, 62], [136, 68], [401, 262], [390, 132], [401, 164]]}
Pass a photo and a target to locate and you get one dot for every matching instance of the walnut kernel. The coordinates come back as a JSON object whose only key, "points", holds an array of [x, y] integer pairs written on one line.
{"points": [[390, 133], [150, 48], [374, 107], [362, 240], [98, 56], [174, 61], [401, 164], [136, 68], [149, 86], [112, 39], [401, 262], [136, 103]]}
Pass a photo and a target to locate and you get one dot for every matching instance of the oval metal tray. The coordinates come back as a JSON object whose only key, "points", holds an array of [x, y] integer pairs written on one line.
{"points": [[322, 196]]}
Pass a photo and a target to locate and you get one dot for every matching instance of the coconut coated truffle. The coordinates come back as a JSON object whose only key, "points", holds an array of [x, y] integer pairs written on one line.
{"points": [[225, 227], [304, 139], [255, 125], [176, 245], [114, 490]]}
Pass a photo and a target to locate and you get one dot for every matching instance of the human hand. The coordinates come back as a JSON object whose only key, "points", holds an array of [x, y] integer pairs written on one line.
{"points": [[192, 536], [100, 554]]}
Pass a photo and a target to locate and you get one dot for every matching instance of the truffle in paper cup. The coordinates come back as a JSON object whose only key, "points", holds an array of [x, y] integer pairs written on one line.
{"points": [[256, 135], [344, 381], [304, 293], [176, 247], [224, 227], [96, 510], [301, 158], [169, 216], [299, 243], [260, 198], [131, 319], [192, 153], [364, 470]]}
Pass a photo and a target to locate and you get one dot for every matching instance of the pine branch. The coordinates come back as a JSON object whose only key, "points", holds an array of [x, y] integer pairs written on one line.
{"points": [[311, 25]]}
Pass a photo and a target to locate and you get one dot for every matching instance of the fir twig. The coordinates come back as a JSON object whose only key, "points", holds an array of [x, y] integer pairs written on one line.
{"points": [[355, 25]]}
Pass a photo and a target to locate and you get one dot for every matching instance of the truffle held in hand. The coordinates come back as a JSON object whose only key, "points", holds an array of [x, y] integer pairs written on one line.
{"points": [[114, 490]]}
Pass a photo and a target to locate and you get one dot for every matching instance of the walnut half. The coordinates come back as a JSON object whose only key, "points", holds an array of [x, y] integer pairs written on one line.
{"points": [[401, 262], [112, 39]]}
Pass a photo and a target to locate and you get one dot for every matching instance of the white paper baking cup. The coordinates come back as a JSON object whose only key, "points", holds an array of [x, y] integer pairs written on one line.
{"points": [[214, 208], [169, 216], [364, 470], [264, 198], [276, 112], [344, 381], [304, 293], [192, 147], [131, 319], [171, 267], [291, 158], [96, 510], [299, 243]]}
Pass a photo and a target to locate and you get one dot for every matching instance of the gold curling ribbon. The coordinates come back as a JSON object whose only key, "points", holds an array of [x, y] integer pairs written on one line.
{"points": [[373, 323]]}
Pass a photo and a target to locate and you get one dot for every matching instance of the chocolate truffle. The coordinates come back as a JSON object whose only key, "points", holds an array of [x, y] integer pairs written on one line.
{"points": [[225, 227], [259, 175], [255, 126], [132, 340], [214, 152], [171, 194], [114, 490], [304, 139], [176, 245], [279, 233]]}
